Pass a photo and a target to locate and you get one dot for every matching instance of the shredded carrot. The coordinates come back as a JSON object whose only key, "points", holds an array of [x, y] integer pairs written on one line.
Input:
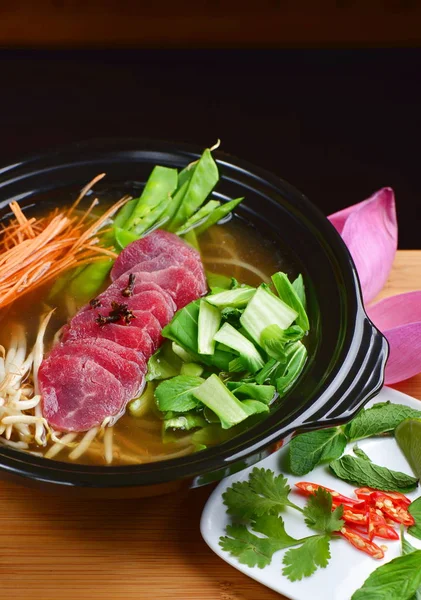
{"points": [[36, 250]]}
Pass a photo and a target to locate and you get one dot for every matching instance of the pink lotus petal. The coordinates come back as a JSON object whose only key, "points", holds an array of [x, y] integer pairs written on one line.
{"points": [[395, 311], [370, 231], [399, 319]]}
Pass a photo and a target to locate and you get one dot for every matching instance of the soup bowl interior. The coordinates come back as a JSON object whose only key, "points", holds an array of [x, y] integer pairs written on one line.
{"points": [[346, 353]]}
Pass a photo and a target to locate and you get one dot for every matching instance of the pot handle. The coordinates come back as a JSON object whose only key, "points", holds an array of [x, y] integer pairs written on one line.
{"points": [[363, 379]]}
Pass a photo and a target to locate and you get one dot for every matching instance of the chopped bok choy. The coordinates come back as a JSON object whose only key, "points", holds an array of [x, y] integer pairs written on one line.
{"points": [[209, 321], [216, 396], [230, 355], [232, 338], [265, 309]]}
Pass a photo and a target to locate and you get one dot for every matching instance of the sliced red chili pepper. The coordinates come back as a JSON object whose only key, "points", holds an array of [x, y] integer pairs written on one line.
{"points": [[364, 493], [391, 509], [311, 488], [361, 543], [359, 504], [355, 515], [378, 527], [400, 498]]}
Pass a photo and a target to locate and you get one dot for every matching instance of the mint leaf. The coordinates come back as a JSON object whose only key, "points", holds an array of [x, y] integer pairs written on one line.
{"points": [[383, 417], [318, 512], [397, 580], [361, 454], [361, 472], [176, 394], [250, 550], [415, 510], [307, 450], [303, 561]]}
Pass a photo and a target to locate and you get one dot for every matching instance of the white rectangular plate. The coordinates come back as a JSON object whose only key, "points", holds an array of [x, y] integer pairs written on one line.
{"points": [[348, 568]]}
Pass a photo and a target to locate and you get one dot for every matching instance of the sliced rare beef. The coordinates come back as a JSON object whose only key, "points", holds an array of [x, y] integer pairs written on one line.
{"points": [[182, 285], [77, 393], [151, 247], [149, 300], [100, 363], [127, 372], [127, 335], [120, 292], [157, 252]]}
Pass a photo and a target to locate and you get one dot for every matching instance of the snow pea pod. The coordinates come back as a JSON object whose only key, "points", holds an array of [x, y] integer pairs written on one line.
{"points": [[198, 182], [199, 217], [86, 284], [218, 214], [159, 187]]}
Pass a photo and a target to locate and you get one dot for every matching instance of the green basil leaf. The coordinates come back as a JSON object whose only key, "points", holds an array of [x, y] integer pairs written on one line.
{"points": [[397, 580]]}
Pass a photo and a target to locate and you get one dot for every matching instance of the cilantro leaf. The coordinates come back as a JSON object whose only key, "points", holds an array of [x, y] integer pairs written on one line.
{"points": [[257, 551], [262, 494], [318, 512], [273, 527], [243, 503], [383, 417], [303, 561], [264, 482], [310, 449], [248, 548]]}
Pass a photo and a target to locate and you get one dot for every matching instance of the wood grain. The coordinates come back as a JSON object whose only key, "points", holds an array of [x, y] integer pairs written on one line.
{"points": [[137, 549]]}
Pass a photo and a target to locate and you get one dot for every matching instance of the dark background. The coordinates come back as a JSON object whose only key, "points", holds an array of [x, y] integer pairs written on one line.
{"points": [[338, 124]]}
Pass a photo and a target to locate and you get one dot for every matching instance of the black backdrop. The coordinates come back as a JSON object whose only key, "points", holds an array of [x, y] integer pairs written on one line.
{"points": [[338, 124]]}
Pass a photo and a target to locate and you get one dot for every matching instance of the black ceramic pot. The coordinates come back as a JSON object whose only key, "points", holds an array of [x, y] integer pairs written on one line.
{"points": [[347, 353]]}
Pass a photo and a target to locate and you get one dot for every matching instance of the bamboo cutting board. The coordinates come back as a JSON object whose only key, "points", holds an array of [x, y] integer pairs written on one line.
{"points": [[62, 549]]}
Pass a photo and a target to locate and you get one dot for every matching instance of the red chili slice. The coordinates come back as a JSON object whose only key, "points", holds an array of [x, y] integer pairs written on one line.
{"points": [[378, 527], [311, 488], [355, 515], [391, 508], [400, 498], [361, 543], [364, 493]]}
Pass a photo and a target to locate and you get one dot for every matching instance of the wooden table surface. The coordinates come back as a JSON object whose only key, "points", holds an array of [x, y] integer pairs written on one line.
{"points": [[58, 548]]}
